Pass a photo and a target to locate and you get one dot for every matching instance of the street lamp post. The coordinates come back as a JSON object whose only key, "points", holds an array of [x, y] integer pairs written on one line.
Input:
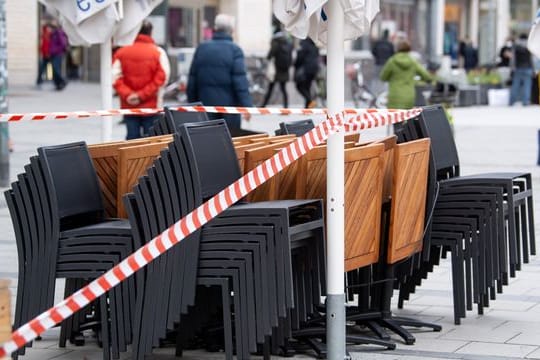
{"points": [[4, 133]]}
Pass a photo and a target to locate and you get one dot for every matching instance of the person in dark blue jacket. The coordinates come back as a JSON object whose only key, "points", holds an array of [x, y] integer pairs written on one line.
{"points": [[218, 73]]}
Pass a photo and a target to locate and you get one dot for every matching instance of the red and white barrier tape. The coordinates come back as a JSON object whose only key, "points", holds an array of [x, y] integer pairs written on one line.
{"points": [[212, 109], [193, 221]]}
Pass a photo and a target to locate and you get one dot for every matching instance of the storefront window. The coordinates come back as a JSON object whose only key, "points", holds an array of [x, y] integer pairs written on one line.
{"points": [[399, 17], [188, 26], [521, 13]]}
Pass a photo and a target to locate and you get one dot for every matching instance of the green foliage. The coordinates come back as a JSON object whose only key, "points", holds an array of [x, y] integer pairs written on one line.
{"points": [[483, 76]]}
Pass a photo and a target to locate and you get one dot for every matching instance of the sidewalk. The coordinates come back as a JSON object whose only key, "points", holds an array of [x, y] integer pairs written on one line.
{"points": [[489, 139]]}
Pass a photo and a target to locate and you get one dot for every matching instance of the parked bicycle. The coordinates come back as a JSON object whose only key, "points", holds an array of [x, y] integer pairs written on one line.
{"points": [[363, 97], [318, 89], [258, 81], [176, 90]]}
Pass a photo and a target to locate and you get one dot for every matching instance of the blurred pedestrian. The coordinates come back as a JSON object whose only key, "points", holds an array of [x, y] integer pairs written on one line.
{"points": [[469, 54], [400, 72], [522, 73], [382, 50], [44, 53], [139, 71], [217, 75], [281, 55], [207, 31], [505, 54], [58, 44], [306, 68]]}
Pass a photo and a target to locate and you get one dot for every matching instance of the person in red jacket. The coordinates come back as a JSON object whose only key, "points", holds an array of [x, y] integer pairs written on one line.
{"points": [[44, 51], [139, 72]]}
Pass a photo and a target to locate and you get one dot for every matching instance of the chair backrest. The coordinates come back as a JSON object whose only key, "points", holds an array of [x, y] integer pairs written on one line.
{"points": [[434, 124], [254, 157], [133, 162], [211, 155], [297, 128], [363, 197], [106, 161], [157, 127], [409, 187], [243, 140], [71, 180], [389, 143], [175, 119]]}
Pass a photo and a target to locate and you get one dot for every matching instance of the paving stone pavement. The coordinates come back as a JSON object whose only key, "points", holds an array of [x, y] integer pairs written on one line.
{"points": [[489, 139]]}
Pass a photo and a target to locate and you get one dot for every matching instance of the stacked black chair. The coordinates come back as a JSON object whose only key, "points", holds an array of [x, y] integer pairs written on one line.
{"points": [[250, 249], [297, 128], [171, 120], [297, 225], [471, 223], [490, 215], [59, 222]]}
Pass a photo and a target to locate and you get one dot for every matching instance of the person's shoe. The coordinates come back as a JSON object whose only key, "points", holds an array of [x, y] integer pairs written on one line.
{"points": [[61, 86], [312, 104]]}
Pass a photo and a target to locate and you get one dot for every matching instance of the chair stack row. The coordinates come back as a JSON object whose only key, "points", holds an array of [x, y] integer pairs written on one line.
{"points": [[61, 232], [485, 221], [269, 254], [254, 277]]}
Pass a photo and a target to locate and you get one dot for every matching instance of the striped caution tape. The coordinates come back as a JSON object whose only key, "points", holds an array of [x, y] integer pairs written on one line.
{"points": [[211, 109], [114, 112], [189, 224]]}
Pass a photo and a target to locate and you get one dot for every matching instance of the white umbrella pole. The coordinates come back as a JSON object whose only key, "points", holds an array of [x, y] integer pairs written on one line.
{"points": [[106, 88], [335, 301]]}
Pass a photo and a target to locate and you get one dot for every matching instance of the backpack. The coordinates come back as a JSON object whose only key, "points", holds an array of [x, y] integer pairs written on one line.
{"points": [[283, 55]]}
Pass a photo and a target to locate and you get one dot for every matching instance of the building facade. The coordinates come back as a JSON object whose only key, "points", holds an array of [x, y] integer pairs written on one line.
{"points": [[487, 23], [434, 28], [22, 41]]}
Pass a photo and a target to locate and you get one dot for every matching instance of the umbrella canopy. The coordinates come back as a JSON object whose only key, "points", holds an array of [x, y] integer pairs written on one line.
{"points": [[309, 17], [88, 22], [533, 42]]}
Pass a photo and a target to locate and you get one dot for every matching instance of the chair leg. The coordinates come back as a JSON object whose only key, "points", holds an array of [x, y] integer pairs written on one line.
{"points": [[104, 327], [402, 332], [523, 233], [517, 231], [378, 330], [227, 323], [457, 288], [530, 218]]}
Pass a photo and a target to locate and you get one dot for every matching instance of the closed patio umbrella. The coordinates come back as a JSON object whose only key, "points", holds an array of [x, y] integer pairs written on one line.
{"points": [[331, 22]]}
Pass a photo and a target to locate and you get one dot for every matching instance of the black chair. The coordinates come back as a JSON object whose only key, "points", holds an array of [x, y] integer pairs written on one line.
{"points": [[297, 128], [497, 202], [172, 119], [300, 221], [63, 217], [452, 207], [517, 187], [77, 214], [148, 200]]}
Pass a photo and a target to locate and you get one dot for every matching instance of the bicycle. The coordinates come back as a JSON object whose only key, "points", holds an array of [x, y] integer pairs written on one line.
{"points": [[257, 79], [318, 88], [363, 97]]}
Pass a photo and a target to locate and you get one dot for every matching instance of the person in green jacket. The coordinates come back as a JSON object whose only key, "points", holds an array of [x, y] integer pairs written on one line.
{"points": [[400, 71]]}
